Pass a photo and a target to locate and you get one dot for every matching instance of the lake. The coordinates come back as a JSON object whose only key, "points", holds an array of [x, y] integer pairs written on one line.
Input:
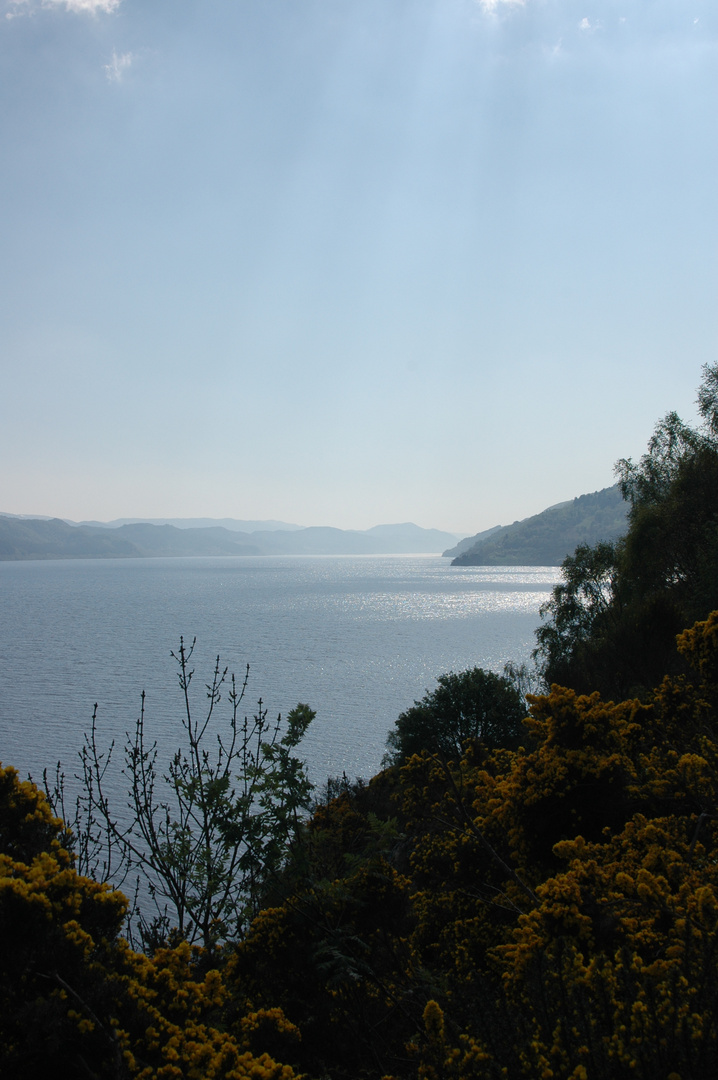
{"points": [[357, 638]]}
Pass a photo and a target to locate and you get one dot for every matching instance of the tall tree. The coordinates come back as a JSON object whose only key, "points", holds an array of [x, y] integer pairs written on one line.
{"points": [[611, 623]]}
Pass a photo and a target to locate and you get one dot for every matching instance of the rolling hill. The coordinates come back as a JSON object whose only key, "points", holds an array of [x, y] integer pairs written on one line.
{"points": [[547, 538]]}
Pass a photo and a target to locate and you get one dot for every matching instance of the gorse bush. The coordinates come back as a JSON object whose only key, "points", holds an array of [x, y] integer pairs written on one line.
{"points": [[545, 911], [515, 896], [75, 1000]]}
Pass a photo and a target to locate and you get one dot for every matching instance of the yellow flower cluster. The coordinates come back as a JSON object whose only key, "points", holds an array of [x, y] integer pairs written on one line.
{"points": [[570, 895], [549, 912], [110, 1010]]}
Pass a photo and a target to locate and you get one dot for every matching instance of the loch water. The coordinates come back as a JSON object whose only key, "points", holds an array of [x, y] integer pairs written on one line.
{"points": [[357, 638]]}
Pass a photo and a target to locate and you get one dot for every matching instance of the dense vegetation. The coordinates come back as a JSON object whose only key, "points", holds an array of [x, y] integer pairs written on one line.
{"points": [[613, 620], [475, 706], [492, 910]]}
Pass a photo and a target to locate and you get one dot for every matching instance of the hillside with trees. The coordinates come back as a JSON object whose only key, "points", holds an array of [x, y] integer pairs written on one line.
{"points": [[470, 541], [506, 899], [547, 538]]}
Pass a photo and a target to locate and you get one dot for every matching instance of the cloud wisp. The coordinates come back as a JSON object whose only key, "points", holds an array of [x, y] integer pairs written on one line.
{"points": [[91, 7], [77, 7], [490, 7], [118, 66]]}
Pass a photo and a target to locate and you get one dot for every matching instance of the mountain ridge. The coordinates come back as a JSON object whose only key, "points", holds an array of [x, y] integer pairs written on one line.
{"points": [[53, 538], [546, 539]]}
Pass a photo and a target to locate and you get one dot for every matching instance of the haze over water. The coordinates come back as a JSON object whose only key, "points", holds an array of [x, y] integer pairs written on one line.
{"points": [[357, 638], [441, 261]]}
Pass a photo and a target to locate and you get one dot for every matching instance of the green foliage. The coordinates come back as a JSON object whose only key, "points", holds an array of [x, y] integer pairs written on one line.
{"points": [[474, 705], [612, 621], [573, 644], [329, 951], [205, 835]]}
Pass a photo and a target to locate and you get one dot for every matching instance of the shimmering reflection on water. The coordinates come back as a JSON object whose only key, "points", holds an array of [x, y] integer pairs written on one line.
{"points": [[359, 638], [451, 605]]}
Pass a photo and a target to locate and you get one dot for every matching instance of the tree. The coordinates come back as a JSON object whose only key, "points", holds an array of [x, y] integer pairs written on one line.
{"points": [[583, 609], [202, 836], [611, 623], [473, 705]]}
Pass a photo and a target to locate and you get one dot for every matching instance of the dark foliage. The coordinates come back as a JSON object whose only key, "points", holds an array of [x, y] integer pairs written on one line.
{"points": [[474, 705], [612, 622]]}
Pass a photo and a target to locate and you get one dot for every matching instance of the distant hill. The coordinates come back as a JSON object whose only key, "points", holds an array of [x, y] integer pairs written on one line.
{"points": [[547, 538], [54, 539], [232, 524], [471, 541], [51, 538]]}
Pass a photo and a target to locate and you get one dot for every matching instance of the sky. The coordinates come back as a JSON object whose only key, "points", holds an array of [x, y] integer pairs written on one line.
{"points": [[349, 262]]}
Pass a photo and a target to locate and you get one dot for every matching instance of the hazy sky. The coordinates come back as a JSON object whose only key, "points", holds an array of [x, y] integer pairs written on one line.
{"points": [[349, 261]]}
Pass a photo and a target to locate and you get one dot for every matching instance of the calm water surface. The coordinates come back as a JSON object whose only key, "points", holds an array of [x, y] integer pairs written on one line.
{"points": [[358, 638]]}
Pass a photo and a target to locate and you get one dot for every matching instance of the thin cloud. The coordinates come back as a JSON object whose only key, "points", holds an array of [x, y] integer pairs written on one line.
{"points": [[17, 8], [490, 7], [89, 7], [77, 7], [118, 66]]}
